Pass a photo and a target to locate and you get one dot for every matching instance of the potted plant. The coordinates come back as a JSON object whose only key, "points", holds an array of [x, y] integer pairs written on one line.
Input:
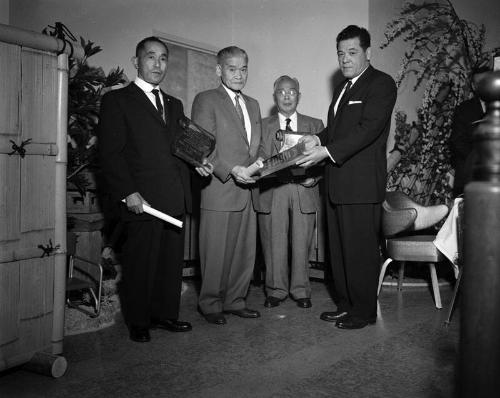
{"points": [[442, 51], [86, 85]]}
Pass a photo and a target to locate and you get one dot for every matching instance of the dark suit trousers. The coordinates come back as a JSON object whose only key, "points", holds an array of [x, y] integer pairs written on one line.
{"points": [[354, 237], [152, 271]]}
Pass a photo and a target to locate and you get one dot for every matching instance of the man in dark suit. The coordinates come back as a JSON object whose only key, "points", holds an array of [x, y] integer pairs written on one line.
{"points": [[228, 221], [465, 119], [288, 204], [137, 126], [354, 144]]}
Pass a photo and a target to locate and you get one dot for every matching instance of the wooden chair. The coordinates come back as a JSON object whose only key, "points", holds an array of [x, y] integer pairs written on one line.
{"points": [[84, 278], [401, 216]]}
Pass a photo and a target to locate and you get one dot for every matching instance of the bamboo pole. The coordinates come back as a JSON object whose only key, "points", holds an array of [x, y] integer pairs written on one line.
{"points": [[38, 41], [60, 205]]}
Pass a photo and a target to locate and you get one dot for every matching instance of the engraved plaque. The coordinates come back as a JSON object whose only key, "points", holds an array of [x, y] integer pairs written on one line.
{"points": [[282, 160], [194, 144]]}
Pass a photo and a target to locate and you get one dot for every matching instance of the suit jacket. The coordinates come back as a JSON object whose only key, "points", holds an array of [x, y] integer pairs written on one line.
{"points": [[461, 142], [214, 111], [135, 151], [356, 137], [309, 200]]}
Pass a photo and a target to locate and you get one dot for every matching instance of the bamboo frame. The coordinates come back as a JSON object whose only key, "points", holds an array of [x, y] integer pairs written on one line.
{"points": [[38, 41]]}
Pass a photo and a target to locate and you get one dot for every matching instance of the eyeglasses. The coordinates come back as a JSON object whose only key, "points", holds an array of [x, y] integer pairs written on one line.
{"points": [[292, 92]]}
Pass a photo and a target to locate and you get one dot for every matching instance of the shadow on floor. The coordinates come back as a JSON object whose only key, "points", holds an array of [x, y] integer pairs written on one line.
{"points": [[288, 352]]}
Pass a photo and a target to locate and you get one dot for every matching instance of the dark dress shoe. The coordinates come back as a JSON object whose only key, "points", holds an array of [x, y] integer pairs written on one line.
{"points": [[304, 303], [217, 318], [138, 334], [272, 301], [352, 323], [244, 313], [172, 325], [333, 316]]}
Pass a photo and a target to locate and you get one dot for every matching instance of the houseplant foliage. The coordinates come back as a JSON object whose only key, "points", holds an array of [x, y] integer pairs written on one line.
{"points": [[86, 85], [442, 50]]}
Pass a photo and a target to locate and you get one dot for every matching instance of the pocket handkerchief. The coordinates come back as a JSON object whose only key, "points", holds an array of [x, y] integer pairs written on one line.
{"points": [[355, 102]]}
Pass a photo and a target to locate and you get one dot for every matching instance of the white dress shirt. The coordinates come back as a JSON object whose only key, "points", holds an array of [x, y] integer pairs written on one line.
{"points": [[293, 121], [148, 88]]}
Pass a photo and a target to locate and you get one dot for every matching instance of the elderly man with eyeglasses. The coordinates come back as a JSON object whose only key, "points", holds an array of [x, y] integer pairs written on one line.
{"points": [[288, 202]]}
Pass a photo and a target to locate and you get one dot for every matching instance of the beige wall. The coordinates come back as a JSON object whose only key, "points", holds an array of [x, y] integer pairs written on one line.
{"points": [[4, 11], [295, 37], [281, 36]]}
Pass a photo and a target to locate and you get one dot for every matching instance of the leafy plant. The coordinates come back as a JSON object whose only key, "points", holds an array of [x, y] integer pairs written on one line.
{"points": [[86, 85], [442, 51]]}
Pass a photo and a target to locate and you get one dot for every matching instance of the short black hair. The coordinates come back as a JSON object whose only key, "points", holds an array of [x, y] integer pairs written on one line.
{"points": [[353, 31], [142, 44], [231, 51]]}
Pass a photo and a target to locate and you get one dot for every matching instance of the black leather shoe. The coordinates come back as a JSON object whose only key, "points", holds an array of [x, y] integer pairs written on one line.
{"points": [[138, 334], [244, 313], [352, 323], [217, 318], [333, 316], [172, 325], [304, 303], [272, 301]]}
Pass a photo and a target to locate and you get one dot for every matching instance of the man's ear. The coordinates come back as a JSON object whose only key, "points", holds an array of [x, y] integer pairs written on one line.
{"points": [[218, 70], [368, 53], [135, 62]]}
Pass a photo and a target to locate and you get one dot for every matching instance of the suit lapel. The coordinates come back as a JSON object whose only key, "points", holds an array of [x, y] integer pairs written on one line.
{"points": [[167, 109], [355, 88], [142, 98], [274, 126], [229, 105]]}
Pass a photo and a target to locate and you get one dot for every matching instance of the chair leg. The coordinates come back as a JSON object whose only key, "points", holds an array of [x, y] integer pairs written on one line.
{"points": [[435, 286], [382, 274], [401, 275], [455, 293]]}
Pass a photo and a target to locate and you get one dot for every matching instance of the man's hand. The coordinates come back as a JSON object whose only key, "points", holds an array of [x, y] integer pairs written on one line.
{"points": [[242, 175], [135, 201], [310, 140], [205, 170], [313, 156]]}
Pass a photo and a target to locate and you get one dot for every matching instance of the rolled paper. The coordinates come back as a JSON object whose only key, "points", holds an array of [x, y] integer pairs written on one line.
{"points": [[162, 216], [255, 167]]}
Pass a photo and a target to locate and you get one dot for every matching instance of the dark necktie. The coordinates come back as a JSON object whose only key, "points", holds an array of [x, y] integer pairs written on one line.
{"points": [[347, 86], [159, 106], [239, 111], [288, 127]]}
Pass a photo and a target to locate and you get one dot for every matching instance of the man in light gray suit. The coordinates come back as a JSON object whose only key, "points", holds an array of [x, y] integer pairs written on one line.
{"points": [[288, 204], [228, 220]]}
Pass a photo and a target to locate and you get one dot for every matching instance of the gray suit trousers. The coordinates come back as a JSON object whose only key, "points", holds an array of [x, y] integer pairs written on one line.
{"points": [[286, 230], [227, 258]]}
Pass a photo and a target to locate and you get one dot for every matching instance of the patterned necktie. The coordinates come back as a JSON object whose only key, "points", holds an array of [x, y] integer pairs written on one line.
{"points": [[159, 106], [288, 127], [239, 111]]}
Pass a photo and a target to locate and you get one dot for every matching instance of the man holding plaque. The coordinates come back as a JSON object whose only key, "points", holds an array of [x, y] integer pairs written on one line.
{"points": [[228, 221], [288, 204], [137, 127], [354, 145]]}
